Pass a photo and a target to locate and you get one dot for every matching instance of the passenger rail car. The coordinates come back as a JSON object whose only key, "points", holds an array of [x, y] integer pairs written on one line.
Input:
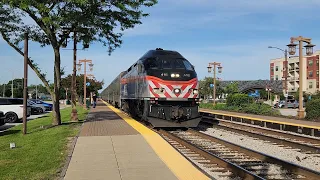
{"points": [[161, 88]]}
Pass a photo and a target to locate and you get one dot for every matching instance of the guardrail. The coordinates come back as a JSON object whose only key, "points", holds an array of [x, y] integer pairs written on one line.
{"points": [[312, 130]]}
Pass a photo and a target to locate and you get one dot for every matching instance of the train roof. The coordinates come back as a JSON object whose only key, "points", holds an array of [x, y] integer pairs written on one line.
{"points": [[160, 53]]}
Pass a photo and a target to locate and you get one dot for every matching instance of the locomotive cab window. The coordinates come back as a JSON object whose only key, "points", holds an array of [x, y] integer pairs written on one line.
{"points": [[168, 63]]}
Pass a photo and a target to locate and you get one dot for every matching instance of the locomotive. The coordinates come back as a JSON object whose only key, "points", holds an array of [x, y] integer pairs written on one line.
{"points": [[160, 88]]}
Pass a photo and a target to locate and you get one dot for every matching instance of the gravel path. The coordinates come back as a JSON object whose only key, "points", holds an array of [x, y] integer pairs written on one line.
{"points": [[311, 161]]}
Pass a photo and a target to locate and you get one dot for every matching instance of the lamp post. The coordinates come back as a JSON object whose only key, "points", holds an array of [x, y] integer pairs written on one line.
{"points": [[292, 51], [85, 61], [285, 73], [215, 65]]}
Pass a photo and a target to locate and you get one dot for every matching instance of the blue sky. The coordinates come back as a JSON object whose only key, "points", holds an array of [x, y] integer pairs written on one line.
{"points": [[235, 33]]}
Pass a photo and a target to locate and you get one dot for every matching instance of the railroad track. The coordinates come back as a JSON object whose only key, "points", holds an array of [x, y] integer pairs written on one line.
{"points": [[307, 145], [225, 160]]}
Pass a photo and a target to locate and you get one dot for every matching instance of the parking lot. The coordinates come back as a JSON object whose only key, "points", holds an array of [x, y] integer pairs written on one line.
{"points": [[30, 118]]}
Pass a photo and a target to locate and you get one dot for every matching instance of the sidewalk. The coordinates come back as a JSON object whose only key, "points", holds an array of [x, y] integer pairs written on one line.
{"points": [[109, 148]]}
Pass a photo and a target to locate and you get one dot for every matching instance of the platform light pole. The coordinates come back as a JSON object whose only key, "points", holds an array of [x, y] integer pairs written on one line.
{"points": [[285, 73], [215, 66], [292, 51], [85, 61]]}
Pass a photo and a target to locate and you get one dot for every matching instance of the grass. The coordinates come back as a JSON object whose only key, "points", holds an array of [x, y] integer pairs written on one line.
{"points": [[41, 153]]}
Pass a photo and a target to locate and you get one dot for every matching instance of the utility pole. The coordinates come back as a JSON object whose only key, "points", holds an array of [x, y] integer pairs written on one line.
{"points": [[4, 90], [25, 84], [36, 91], [12, 86], [75, 30]]}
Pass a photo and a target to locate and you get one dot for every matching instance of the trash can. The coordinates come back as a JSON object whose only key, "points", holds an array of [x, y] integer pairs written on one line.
{"points": [[88, 102]]}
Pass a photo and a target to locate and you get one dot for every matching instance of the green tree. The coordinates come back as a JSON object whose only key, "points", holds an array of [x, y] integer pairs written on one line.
{"points": [[94, 21], [95, 85], [206, 90], [232, 88]]}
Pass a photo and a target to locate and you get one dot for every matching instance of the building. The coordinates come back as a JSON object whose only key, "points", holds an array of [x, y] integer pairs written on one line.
{"points": [[310, 77]]}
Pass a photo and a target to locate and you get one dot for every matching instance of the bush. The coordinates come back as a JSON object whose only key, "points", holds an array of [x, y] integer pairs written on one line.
{"points": [[239, 100], [313, 109]]}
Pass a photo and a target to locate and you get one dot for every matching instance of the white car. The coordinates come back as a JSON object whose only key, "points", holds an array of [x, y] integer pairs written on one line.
{"points": [[40, 107], [13, 109]]}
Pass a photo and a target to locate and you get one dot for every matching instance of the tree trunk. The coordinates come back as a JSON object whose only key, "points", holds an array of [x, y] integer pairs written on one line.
{"points": [[56, 95]]}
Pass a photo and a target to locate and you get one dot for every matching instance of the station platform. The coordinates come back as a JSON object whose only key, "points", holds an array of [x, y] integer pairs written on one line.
{"points": [[113, 146], [279, 120]]}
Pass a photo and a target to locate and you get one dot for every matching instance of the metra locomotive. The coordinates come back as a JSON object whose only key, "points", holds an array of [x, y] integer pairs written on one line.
{"points": [[161, 88]]}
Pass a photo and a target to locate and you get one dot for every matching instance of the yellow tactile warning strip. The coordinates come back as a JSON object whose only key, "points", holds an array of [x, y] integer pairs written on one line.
{"points": [[181, 167], [263, 120]]}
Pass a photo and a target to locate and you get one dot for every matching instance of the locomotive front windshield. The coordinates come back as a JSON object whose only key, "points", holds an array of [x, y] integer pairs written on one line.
{"points": [[168, 63]]}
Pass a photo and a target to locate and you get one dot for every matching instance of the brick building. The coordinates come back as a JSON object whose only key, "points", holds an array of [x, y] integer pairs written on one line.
{"points": [[310, 76]]}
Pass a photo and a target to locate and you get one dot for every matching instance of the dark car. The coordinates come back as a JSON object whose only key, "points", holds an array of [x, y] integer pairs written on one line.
{"points": [[2, 117], [48, 106]]}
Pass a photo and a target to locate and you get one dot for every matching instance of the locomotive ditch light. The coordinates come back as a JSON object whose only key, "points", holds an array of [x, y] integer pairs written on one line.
{"points": [[195, 91]]}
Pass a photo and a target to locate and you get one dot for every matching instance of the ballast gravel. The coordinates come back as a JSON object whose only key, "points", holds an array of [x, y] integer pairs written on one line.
{"points": [[311, 161]]}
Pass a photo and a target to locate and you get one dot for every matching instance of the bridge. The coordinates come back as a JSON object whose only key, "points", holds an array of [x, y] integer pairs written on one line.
{"points": [[251, 85]]}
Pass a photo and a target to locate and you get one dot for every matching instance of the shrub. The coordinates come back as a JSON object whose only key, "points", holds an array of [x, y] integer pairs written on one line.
{"points": [[239, 100], [313, 109]]}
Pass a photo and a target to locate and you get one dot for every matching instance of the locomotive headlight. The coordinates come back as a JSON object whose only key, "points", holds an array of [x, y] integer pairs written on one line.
{"points": [[173, 75], [177, 75], [195, 91]]}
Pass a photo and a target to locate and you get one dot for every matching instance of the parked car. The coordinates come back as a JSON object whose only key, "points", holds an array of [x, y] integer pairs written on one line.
{"points": [[1, 118], [36, 108], [291, 104], [13, 109], [47, 106]]}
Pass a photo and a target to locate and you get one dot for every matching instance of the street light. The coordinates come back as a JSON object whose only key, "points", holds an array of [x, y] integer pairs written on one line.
{"points": [[215, 64], [285, 72], [85, 61], [292, 51]]}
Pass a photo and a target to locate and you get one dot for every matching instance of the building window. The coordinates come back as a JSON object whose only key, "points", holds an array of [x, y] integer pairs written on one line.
{"points": [[272, 69], [317, 84], [277, 68], [277, 77], [317, 62], [310, 62], [310, 85], [317, 72], [310, 74]]}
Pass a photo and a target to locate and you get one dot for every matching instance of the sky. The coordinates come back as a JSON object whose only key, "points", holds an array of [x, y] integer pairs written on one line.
{"points": [[235, 33]]}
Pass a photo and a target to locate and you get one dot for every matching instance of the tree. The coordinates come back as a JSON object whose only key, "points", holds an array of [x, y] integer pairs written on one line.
{"points": [[232, 88], [94, 21], [95, 85], [206, 90]]}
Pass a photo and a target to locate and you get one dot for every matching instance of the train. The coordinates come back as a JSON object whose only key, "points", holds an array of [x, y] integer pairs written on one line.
{"points": [[160, 88]]}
